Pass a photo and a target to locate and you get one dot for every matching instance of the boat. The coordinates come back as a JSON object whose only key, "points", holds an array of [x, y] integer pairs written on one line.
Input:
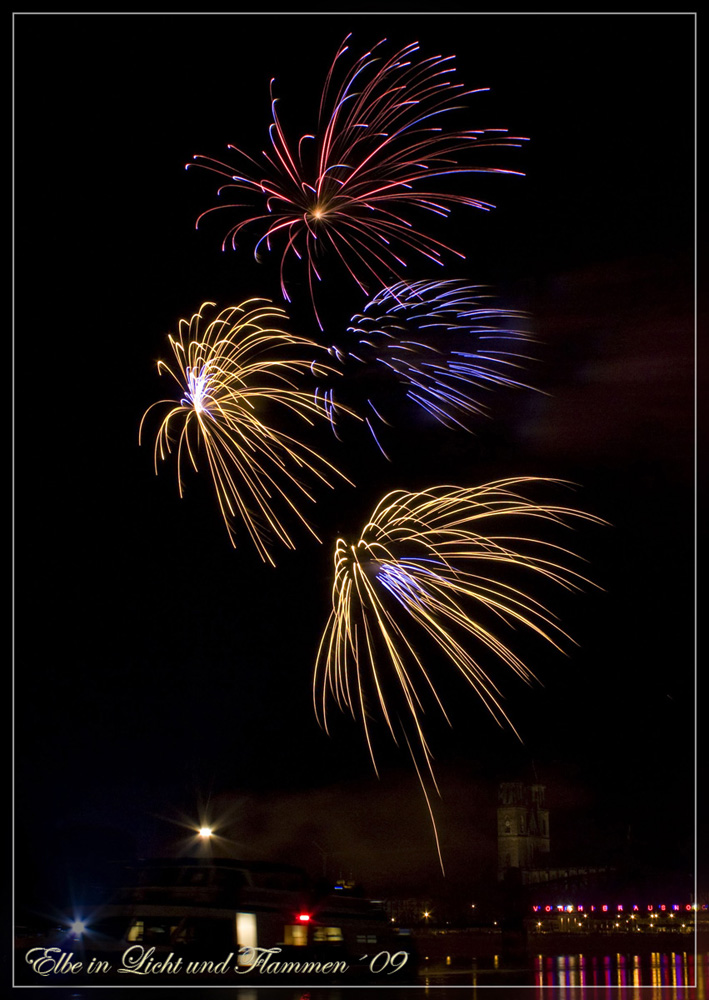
{"points": [[223, 920]]}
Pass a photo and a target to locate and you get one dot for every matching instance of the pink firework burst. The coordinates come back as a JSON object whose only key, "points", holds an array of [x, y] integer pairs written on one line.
{"points": [[380, 149]]}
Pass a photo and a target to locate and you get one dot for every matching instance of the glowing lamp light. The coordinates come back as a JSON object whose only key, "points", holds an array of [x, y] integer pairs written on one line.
{"points": [[77, 927], [304, 918], [205, 832]]}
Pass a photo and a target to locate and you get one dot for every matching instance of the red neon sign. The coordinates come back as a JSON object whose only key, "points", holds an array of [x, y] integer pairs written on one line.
{"points": [[619, 908]]}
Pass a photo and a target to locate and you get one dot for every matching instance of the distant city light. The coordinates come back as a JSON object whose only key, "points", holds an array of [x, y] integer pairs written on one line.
{"points": [[77, 927], [205, 832], [304, 918]]}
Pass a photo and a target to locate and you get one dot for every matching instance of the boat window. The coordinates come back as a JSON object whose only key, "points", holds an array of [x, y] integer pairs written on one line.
{"points": [[181, 933], [157, 930], [333, 934], [296, 934], [135, 931], [366, 939], [246, 937]]}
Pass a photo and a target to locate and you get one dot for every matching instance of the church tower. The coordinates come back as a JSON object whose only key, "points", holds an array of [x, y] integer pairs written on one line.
{"points": [[522, 826]]}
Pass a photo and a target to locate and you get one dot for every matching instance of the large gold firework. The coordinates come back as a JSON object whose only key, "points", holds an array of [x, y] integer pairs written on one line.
{"points": [[441, 567], [239, 375]]}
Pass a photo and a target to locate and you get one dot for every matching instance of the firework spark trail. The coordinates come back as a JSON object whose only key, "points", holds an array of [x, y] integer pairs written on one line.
{"points": [[229, 370], [380, 149], [442, 341], [435, 563]]}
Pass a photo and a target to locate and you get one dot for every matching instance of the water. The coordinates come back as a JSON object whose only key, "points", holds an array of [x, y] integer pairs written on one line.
{"points": [[652, 976], [631, 972], [677, 975]]}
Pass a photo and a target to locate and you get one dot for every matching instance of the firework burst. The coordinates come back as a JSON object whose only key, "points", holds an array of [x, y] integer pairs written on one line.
{"points": [[443, 343], [380, 149], [235, 372], [441, 567]]}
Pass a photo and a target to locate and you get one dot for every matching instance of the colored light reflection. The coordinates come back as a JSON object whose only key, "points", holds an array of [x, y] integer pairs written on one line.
{"points": [[634, 977]]}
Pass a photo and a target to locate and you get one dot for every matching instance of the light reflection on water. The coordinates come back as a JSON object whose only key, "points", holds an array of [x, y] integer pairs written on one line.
{"points": [[653, 976], [672, 975], [656, 976]]}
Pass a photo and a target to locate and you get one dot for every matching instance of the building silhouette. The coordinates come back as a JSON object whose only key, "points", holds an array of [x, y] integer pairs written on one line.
{"points": [[524, 855], [522, 827]]}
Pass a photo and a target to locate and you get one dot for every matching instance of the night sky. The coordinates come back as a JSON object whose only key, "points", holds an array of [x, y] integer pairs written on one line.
{"points": [[161, 675]]}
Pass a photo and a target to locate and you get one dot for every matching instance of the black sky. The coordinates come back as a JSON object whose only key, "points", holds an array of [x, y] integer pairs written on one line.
{"points": [[156, 668]]}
